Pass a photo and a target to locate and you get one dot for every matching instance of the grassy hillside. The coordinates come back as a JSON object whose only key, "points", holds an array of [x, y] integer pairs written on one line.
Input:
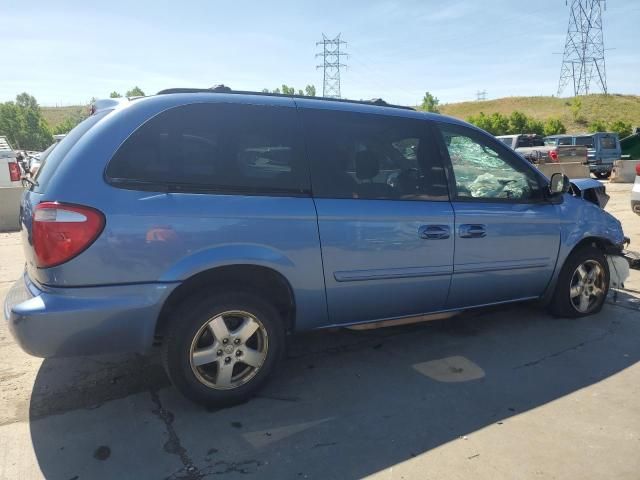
{"points": [[594, 107], [56, 115]]}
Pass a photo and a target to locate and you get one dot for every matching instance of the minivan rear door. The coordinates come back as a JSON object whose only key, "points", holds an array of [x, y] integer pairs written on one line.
{"points": [[607, 147], [384, 217]]}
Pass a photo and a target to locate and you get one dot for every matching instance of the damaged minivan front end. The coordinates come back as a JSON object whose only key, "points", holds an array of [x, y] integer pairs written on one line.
{"points": [[619, 258]]}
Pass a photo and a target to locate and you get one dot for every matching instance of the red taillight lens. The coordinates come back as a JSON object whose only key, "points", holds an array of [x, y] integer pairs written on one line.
{"points": [[14, 171], [61, 232], [638, 169], [553, 155]]}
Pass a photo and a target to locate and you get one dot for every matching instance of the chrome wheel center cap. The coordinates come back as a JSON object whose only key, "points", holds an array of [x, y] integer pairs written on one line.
{"points": [[228, 349]]}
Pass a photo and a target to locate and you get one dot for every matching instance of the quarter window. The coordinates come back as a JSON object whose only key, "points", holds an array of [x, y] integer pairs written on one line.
{"points": [[365, 156], [482, 171], [216, 147]]}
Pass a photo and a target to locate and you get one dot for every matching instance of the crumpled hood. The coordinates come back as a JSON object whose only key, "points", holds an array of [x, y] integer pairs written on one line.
{"points": [[590, 190]]}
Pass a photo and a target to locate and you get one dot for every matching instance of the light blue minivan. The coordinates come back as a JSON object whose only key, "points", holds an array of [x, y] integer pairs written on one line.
{"points": [[216, 223]]}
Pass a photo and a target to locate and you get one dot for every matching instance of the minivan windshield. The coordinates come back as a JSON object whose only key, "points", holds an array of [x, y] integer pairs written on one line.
{"points": [[52, 161]]}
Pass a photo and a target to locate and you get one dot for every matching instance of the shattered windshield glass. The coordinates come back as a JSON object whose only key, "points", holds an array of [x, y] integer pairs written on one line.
{"points": [[481, 173]]}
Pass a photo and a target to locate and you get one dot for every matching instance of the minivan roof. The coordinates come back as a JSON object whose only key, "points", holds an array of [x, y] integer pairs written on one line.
{"points": [[224, 89], [180, 96]]}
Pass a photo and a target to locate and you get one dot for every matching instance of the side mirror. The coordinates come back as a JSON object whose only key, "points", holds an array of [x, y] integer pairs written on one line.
{"points": [[559, 184]]}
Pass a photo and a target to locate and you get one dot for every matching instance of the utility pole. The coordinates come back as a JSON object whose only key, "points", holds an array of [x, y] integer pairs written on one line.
{"points": [[331, 56], [481, 95], [583, 57]]}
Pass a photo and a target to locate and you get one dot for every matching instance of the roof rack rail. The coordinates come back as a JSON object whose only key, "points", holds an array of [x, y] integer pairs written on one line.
{"points": [[224, 89]]}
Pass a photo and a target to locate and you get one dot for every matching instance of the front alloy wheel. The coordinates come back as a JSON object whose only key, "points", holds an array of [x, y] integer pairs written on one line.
{"points": [[587, 286], [583, 283]]}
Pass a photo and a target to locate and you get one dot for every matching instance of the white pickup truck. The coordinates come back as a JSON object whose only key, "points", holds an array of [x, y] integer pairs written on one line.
{"points": [[533, 148], [10, 172]]}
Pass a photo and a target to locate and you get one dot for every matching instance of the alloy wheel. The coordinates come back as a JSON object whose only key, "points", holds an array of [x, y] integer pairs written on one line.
{"points": [[587, 286], [228, 350]]}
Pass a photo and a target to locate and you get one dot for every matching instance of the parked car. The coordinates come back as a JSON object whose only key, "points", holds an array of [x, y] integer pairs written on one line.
{"points": [[533, 148], [603, 149], [10, 172], [217, 224], [635, 192], [36, 161]]}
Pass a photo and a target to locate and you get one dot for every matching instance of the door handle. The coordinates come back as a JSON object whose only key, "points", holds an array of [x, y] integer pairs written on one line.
{"points": [[434, 232], [470, 230]]}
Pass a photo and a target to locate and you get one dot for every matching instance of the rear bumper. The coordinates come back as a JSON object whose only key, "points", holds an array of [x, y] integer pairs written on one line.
{"points": [[62, 322]]}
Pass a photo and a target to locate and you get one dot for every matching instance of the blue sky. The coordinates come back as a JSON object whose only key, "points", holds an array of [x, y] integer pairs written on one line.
{"points": [[66, 52]]}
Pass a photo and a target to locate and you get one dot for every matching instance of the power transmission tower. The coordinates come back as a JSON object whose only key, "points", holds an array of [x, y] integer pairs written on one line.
{"points": [[583, 57], [481, 95], [331, 56]]}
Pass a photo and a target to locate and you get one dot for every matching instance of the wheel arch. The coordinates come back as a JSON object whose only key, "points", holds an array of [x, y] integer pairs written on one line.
{"points": [[267, 282], [605, 245]]}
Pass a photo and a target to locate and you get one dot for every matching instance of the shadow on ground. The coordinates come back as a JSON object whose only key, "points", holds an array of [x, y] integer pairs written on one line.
{"points": [[345, 404]]}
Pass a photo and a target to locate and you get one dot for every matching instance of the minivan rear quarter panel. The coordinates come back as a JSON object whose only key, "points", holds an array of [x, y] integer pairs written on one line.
{"points": [[164, 237]]}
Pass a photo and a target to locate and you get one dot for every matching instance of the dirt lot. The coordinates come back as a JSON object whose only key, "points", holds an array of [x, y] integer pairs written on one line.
{"points": [[507, 393]]}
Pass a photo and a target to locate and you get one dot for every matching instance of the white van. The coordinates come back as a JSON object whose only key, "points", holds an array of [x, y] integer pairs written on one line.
{"points": [[10, 173]]}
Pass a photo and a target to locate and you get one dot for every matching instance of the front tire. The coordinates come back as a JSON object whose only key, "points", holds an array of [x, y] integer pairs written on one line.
{"points": [[583, 284], [602, 175], [219, 351]]}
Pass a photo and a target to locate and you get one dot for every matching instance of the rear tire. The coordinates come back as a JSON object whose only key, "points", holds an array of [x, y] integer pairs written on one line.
{"points": [[210, 339], [602, 175], [583, 284]]}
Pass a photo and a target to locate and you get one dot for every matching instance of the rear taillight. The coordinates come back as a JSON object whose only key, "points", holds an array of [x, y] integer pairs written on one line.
{"points": [[14, 171], [553, 155], [60, 232], [638, 169]]}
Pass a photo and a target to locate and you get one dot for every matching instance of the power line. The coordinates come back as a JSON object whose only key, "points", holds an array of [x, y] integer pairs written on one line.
{"points": [[583, 57], [331, 56], [481, 95]]}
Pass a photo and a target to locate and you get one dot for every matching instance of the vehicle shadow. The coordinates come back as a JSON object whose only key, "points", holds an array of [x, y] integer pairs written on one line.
{"points": [[346, 404]]}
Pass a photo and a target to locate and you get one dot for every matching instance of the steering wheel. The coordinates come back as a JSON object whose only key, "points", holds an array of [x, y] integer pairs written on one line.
{"points": [[405, 181]]}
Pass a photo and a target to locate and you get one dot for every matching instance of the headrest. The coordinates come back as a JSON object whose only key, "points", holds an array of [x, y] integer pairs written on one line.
{"points": [[367, 165]]}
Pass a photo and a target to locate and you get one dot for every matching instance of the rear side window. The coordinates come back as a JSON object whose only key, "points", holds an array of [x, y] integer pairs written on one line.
{"points": [[530, 142], [607, 143], [52, 161], [585, 141], [214, 147], [364, 156]]}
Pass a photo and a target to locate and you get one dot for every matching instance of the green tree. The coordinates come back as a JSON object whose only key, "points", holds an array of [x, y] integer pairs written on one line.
{"points": [[310, 91], [484, 122], [534, 126], [69, 123], [286, 90], [135, 92], [598, 126], [265, 90], [576, 110], [553, 126], [430, 103], [623, 129], [22, 123], [10, 122], [517, 123], [300, 92], [115, 94], [499, 124]]}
